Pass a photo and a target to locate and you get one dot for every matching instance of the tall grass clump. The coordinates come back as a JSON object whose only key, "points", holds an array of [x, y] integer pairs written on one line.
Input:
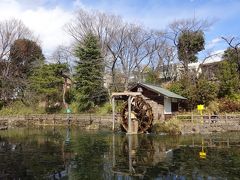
{"points": [[19, 108], [105, 109], [171, 127]]}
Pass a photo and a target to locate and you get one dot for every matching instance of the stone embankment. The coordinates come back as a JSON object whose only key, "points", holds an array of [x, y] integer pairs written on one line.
{"points": [[87, 121], [188, 124]]}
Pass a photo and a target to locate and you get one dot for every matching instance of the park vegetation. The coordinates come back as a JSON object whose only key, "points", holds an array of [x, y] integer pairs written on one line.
{"points": [[109, 54]]}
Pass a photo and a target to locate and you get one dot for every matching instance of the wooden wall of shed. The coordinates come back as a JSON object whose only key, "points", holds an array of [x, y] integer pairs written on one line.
{"points": [[155, 101], [158, 110]]}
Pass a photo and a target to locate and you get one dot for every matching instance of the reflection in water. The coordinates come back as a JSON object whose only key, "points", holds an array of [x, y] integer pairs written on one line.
{"points": [[73, 154], [139, 153], [202, 153], [27, 155], [67, 158]]}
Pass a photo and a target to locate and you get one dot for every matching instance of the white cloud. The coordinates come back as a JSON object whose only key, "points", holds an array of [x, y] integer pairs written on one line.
{"points": [[9, 9], [215, 56], [213, 43], [46, 23], [49, 25]]}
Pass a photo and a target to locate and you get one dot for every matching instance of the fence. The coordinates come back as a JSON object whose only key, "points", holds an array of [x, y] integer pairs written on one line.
{"points": [[207, 118], [209, 123]]}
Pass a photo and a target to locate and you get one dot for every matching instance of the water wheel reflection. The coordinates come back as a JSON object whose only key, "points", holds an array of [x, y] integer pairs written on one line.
{"points": [[134, 157]]}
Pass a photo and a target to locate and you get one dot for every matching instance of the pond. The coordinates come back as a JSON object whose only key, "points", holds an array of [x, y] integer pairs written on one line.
{"points": [[58, 153]]}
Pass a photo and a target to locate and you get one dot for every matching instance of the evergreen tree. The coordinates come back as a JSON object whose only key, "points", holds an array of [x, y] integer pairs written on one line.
{"points": [[228, 78], [189, 44], [89, 74], [46, 83]]}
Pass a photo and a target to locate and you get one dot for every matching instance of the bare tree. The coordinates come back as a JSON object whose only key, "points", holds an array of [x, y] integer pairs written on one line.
{"points": [[64, 54], [169, 66], [146, 47], [110, 30], [140, 47], [104, 26], [126, 47], [10, 31], [114, 47]]}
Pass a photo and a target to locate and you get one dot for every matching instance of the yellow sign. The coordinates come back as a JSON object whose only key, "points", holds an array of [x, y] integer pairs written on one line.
{"points": [[200, 107]]}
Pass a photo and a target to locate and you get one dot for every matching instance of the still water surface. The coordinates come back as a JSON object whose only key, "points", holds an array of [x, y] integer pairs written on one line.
{"points": [[53, 153]]}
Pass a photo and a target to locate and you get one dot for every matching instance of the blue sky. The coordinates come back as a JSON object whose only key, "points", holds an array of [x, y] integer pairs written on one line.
{"points": [[46, 17]]}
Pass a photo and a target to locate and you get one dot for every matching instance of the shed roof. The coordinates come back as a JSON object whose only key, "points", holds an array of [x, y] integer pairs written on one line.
{"points": [[160, 90]]}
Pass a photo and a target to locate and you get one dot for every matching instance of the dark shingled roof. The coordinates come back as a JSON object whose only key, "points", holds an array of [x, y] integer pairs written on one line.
{"points": [[162, 91]]}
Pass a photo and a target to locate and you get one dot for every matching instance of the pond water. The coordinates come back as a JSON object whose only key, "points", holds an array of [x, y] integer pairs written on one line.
{"points": [[57, 153]]}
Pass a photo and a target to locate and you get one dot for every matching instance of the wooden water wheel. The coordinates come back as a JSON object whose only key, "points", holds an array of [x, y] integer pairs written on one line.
{"points": [[143, 112]]}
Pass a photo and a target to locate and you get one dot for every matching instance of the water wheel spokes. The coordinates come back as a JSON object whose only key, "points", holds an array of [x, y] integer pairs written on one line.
{"points": [[142, 111]]}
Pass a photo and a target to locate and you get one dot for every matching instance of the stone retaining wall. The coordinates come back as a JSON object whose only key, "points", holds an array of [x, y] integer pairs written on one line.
{"points": [[81, 120], [90, 121]]}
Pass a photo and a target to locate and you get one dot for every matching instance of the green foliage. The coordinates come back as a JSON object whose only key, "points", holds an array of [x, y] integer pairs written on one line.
{"points": [[25, 55], [206, 91], [89, 74], [213, 107], [46, 79], [235, 96], [19, 108], [228, 79], [69, 96], [47, 84], [1, 104], [74, 107], [201, 91], [189, 44], [178, 88], [231, 55], [106, 108]]}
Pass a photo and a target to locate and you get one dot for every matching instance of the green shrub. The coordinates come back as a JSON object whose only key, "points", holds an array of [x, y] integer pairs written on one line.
{"points": [[19, 108], [213, 107], [1, 104], [53, 109], [235, 97], [105, 109], [73, 106]]}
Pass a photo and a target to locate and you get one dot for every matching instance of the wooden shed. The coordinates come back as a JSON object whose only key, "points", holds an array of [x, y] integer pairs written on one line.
{"points": [[164, 103]]}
